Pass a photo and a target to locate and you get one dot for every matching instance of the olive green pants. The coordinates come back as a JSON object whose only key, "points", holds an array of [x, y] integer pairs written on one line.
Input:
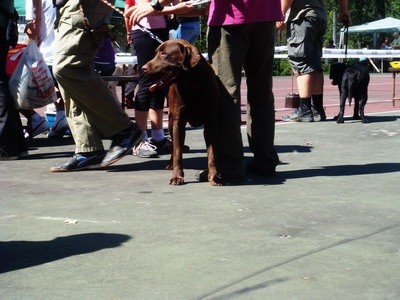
{"points": [[232, 49]]}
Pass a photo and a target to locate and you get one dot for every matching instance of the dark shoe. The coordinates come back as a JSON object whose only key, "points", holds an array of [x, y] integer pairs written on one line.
{"points": [[202, 176], [165, 146], [59, 129], [254, 168], [40, 127], [122, 144], [80, 161], [299, 115], [6, 156], [319, 115]]}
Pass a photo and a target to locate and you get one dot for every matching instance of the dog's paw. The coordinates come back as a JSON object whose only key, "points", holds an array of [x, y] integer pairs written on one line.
{"points": [[177, 181], [340, 119], [215, 180]]}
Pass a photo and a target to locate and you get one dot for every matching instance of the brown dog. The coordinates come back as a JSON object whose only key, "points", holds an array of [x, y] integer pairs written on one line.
{"points": [[193, 97]]}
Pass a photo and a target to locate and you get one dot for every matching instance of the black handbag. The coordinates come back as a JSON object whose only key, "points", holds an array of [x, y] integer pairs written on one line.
{"points": [[12, 27]]}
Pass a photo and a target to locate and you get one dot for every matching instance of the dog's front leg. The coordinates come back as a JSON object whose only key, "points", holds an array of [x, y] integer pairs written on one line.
{"points": [[178, 140], [210, 137]]}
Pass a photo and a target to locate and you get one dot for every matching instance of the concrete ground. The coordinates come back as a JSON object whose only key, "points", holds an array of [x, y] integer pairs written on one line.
{"points": [[326, 227]]}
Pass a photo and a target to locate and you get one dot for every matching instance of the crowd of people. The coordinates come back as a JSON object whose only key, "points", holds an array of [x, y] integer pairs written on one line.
{"points": [[238, 39]]}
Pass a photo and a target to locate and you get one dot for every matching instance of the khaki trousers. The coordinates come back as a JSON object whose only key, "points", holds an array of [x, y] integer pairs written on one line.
{"points": [[91, 109]]}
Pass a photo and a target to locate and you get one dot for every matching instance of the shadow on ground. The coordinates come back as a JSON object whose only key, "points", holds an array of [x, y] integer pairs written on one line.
{"points": [[15, 255]]}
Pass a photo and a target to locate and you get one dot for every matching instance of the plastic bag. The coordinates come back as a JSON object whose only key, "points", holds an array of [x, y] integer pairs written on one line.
{"points": [[31, 83]]}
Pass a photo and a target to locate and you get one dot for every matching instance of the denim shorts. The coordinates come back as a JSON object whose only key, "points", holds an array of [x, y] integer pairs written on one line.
{"points": [[305, 42]]}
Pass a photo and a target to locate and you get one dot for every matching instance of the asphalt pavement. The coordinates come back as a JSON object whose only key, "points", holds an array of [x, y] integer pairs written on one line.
{"points": [[326, 227]]}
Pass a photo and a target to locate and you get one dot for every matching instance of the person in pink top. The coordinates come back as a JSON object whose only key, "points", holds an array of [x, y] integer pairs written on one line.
{"points": [[241, 36], [148, 104]]}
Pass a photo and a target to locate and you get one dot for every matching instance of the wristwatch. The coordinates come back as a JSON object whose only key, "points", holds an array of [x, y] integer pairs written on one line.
{"points": [[156, 5]]}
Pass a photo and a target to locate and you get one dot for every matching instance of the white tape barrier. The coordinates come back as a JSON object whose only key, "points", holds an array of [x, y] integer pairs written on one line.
{"points": [[129, 59], [126, 58], [351, 53]]}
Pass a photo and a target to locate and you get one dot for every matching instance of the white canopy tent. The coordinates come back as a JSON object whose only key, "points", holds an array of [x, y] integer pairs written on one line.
{"points": [[388, 25], [384, 25]]}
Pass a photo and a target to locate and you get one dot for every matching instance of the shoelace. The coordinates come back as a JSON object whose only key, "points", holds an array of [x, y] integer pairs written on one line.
{"points": [[146, 146]]}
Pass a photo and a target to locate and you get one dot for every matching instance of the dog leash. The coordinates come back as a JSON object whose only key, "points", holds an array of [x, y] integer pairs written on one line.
{"points": [[141, 27]]}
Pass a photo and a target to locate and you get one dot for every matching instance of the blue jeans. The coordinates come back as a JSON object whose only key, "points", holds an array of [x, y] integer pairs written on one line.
{"points": [[189, 31]]}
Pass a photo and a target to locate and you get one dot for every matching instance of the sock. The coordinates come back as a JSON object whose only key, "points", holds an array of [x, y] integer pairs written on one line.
{"points": [[157, 135], [305, 103], [145, 137], [318, 102]]}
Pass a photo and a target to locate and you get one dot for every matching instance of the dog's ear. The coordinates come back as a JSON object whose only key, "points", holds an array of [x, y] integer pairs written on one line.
{"points": [[191, 57]]}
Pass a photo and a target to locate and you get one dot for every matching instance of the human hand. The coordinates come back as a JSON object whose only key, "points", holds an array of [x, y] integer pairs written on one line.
{"points": [[344, 17], [32, 30], [280, 25], [129, 38]]}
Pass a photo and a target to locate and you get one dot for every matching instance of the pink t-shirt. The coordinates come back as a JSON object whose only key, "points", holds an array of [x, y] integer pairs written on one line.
{"points": [[234, 12]]}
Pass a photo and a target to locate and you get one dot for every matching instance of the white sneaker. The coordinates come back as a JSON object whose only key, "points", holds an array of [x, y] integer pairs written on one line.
{"points": [[145, 150]]}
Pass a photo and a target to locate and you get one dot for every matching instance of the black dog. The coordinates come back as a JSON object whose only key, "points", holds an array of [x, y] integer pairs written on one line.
{"points": [[352, 81]]}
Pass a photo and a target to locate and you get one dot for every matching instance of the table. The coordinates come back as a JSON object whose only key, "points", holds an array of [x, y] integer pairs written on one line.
{"points": [[394, 72], [123, 79]]}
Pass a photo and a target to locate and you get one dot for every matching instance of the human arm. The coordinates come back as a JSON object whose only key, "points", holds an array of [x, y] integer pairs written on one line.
{"points": [[128, 26], [344, 14], [34, 20], [143, 9], [285, 6]]}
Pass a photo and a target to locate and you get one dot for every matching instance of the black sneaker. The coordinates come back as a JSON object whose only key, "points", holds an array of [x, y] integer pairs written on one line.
{"points": [[122, 144], [80, 161], [299, 115], [165, 146], [318, 115]]}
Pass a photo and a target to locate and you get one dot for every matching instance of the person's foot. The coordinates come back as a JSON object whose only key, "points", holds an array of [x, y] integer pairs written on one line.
{"points": [[256, 169], [39, 127], [318, 115], [59, 128], [145, 150], [299, 115], [122, 144], [165, 146], [80, 161], [6, 156]]}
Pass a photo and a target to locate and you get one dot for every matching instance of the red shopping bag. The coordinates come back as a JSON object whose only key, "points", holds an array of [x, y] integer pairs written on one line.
{"points": [[13, 57]]}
